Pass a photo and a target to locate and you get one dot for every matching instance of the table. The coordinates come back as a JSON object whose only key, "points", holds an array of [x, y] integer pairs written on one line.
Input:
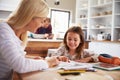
{"points": [[53, 75], [39, 47]]}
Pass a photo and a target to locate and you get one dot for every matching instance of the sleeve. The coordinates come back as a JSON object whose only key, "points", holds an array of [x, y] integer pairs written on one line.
{"points": [[13, 56], [88, 53], [95, 57], [49, 29], [60, 51]]}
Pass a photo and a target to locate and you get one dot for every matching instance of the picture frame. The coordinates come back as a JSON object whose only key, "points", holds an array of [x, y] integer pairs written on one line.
{"points": [[85, 34]]}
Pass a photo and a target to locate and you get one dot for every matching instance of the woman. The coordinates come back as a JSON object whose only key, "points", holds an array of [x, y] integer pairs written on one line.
{"points": [[29, 15]]}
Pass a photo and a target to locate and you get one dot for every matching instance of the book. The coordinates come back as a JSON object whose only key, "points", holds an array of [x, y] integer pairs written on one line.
{"points": [[106, 66], [72, 65]]}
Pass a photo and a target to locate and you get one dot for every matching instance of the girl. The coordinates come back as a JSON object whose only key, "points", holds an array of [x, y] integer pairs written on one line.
{"points": [[73, 47]]}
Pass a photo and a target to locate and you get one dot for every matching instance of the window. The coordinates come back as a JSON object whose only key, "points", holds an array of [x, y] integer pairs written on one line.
{"points": [[60, 21]]}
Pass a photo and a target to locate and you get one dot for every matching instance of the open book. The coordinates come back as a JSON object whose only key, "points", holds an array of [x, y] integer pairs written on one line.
{"points": [[106, 66], [74, 65]]}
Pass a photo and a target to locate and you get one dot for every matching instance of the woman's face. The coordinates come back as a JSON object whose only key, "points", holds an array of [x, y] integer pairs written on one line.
{"points": [[35, 23], [73, 40]]}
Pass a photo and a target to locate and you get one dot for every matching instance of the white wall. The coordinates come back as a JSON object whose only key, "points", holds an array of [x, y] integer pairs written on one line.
{"points": [[111, 48], [8, 5], [69, 5]]}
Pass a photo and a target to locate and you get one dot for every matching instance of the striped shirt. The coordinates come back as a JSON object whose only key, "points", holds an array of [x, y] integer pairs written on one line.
{"points": [[62, 51], [12, 55]]}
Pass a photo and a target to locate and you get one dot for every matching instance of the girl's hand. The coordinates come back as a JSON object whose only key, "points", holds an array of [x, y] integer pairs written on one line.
{"points": [[63, 58]]}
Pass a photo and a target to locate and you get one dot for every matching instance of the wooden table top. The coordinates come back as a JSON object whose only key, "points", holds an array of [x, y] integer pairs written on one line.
{"points": [[53, 75]]}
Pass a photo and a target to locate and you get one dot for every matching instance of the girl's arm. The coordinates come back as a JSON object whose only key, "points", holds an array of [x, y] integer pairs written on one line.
{"points": [[85, 60], [88, 56]]}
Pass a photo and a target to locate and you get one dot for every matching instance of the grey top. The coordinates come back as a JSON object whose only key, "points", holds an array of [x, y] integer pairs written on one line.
{"points": [[12, 55]]}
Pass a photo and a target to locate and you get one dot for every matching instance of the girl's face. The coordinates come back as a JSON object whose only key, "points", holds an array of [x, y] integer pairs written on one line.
{"points": [[35, 23], [73, 40]]}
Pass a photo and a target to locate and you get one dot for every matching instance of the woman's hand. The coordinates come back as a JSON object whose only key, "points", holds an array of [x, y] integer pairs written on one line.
{"points": [[50, 36], [52, 61], [46, 36]]}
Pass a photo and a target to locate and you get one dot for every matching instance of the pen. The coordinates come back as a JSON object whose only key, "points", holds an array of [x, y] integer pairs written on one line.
{"points": [[90, 70], [82, 70]]}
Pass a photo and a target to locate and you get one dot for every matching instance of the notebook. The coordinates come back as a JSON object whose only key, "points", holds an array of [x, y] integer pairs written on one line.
{"points": [[106, 66]]}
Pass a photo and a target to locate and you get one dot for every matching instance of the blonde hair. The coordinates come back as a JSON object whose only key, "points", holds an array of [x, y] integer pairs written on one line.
{"points": [[26, 11], [24, 39]]}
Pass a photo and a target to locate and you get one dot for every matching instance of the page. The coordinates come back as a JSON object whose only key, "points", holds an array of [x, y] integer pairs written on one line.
{"points": [[74, 65]]}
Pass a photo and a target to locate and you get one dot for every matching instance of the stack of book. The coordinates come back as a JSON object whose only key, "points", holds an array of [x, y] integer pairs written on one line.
{"points": [[106, 66]]}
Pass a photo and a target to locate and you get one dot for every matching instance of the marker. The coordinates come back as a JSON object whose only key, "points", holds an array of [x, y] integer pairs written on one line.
{"points": [[63, 72], [81, 71]]}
